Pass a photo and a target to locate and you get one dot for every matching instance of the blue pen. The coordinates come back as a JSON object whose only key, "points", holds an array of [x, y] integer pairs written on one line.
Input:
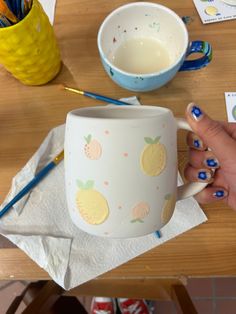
{"points": [[38, 177]]}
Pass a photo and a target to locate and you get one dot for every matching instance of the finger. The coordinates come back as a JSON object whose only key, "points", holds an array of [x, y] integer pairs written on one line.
{"points": [[198, 175], [219, 179], [203, 159], [195, 142], [211, 194], [212, 133], [230, 128]]}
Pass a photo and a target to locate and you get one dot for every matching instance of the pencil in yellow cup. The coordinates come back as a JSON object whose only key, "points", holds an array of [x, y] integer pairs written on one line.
{"points": [[29, 50]]}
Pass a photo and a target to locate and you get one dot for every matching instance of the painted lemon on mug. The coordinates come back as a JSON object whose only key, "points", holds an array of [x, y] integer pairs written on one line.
{"points": [[91, 204], [168, 208], [153, 158]]}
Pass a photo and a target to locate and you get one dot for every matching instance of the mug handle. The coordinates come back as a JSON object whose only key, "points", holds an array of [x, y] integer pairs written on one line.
{"points": [[197, 46], [188, 189]]}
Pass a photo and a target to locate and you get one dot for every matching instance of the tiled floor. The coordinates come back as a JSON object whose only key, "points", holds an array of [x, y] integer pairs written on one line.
{"points": [[210, 296]]}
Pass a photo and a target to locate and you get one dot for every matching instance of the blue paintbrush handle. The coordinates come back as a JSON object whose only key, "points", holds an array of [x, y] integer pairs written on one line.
{"points": [[39, 176], [106, 99], [18, 9], [8, 2]]}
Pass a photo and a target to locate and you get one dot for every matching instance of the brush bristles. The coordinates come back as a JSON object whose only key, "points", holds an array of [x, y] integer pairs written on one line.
{"points": [[77, 91]]}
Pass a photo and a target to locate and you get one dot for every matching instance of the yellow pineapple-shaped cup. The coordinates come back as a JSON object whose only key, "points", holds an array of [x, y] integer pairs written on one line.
{"points": [[29, 49]]}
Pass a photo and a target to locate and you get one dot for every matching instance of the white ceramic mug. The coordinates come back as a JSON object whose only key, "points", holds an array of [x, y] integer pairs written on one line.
{"points": [[143, 45], [121, 169]]}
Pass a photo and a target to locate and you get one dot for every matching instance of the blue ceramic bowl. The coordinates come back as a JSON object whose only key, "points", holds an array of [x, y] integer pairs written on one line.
{"points": [[144, 22]]}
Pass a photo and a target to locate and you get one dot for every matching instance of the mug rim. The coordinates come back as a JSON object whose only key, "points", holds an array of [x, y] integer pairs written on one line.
{"points": [[149, 4], [74, 113]]}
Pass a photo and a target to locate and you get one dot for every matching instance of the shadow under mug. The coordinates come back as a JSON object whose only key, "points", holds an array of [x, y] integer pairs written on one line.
{"points": [[148, 20]]}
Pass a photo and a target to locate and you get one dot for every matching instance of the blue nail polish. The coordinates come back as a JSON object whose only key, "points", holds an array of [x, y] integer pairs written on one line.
{"points": [[196, 143], [212, 162], [203, 175], [196, 112], [219, 194]]}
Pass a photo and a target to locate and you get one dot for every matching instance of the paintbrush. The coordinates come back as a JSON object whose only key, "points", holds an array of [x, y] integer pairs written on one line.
{"points": [[4, 22], [4, 9], [42, 173], [38, 177], [95, 96]]}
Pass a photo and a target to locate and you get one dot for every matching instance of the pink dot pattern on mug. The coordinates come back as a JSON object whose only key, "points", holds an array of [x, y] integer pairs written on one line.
{"points": [[106, 132], [106, 183], [125, 154]]}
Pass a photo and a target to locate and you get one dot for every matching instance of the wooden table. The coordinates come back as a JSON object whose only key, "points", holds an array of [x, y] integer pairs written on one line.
{"points": [[28, 113]]}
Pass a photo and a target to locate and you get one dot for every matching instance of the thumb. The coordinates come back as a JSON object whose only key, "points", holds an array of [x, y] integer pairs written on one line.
{"points": [[211, 132]]}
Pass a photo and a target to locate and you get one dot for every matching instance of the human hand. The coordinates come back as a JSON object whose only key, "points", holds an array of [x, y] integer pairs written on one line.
{"points": [[220, 138]]}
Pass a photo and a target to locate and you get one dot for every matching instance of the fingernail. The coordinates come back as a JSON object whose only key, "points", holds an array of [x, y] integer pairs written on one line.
{"points": [[204, 175], [212, 163], [197, 143], [220, 194], [195, 112]]}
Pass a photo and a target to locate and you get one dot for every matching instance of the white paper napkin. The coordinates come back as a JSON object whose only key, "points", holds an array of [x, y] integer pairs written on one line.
{"points": [[40, 225], [49, 8]]}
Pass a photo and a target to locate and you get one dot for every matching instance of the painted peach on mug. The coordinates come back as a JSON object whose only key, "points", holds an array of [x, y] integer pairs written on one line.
{"points": [[153, 157], [140, 211], [92, 148], [92, 205]]}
